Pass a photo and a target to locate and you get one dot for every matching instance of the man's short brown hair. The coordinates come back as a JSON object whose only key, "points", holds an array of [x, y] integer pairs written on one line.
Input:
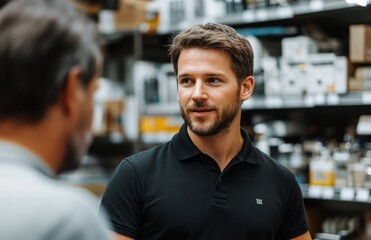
{"points": [[219, 37]]}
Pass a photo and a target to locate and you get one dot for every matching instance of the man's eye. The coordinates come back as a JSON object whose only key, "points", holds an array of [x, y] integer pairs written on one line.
{"points": [[185, 81], [213, 80]]}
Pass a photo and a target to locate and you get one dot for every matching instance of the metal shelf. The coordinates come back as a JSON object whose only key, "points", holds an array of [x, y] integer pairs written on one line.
{"points": [[278, 102], [266, 14], [310, 101], [342, 194], [284, 12], [162, 109]]}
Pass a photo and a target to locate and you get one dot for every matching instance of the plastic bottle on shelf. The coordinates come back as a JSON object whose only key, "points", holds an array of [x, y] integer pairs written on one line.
{"points": [[297, 160], [322, 169]]}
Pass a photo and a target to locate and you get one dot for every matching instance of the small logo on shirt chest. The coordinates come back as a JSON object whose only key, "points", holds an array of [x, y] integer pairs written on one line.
{"points": [[259, 201]]}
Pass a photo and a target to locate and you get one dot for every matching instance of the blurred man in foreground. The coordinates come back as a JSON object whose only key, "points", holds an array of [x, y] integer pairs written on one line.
{"points": [[50, 62]]}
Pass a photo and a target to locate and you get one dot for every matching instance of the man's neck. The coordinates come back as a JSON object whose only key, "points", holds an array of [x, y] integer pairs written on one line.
{"points": [[35, 138], [222, 147]]}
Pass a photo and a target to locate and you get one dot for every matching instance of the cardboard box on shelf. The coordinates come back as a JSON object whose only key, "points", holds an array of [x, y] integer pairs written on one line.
{"points": [[131, 14], [363, 72], [359, 84], [360, 43]]}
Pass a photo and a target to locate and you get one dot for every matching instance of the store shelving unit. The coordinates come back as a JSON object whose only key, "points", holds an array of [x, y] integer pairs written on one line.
{"points": [[337, 110]]}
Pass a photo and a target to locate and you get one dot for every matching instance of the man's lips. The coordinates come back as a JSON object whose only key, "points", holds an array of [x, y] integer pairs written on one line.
{"points": [[200, 112], [200, 109]]}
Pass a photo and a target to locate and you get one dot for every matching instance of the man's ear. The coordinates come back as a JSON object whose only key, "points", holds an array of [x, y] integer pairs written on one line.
{"points": [[247, 88], [70, 93]]}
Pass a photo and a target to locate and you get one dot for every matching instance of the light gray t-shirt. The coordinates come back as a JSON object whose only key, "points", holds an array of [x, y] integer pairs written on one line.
{"points": [[34, 206]]}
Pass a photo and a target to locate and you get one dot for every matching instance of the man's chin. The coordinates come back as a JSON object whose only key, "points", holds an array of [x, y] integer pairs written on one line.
{"points": [[200, 130]]}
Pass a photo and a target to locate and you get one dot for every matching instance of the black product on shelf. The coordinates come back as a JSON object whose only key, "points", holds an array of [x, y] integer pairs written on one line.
{"points": [[259, 82], [151, 93], [111, 4]]}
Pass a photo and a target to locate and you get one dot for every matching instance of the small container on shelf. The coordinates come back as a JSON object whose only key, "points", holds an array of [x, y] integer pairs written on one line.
{"points": [[322, 170]]}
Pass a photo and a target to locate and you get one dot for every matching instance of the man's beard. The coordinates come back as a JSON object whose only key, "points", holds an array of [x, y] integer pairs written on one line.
{"points": [[220, 124]]}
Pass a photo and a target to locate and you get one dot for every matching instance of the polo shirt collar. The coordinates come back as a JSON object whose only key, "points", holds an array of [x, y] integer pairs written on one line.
{"points": [[183, 145], [11, 153], [186, 150]]}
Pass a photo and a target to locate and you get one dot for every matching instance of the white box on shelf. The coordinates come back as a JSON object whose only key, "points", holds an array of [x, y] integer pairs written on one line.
{"points": [[321, 73], [272, 79], [341, 74], [297, 49], [327, 74], [294, 77], [146, 82], [167, 84]]}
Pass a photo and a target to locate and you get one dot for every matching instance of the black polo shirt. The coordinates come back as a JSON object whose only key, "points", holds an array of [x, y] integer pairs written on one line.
{"points": [[174, 191]]}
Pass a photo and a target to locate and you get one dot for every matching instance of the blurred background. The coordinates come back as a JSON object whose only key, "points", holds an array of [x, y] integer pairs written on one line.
{"points": [[310, 110]]}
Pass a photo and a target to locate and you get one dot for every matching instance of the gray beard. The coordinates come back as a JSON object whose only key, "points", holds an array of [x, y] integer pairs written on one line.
{"points": [[73, 155]]}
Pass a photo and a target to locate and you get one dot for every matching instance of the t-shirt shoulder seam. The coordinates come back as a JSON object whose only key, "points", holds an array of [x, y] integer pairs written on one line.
{"points": [[137, 176], [126, 231], [297, 232]]}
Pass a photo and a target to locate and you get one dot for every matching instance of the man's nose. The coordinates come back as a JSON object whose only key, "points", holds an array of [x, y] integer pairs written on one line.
{"points": [[199, 92]]}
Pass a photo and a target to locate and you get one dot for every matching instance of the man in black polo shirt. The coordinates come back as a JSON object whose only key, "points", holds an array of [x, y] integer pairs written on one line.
{"points": [[209, 181]]}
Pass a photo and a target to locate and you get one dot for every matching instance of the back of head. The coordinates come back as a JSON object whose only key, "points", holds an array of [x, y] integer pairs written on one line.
{"points": [[40, 41], [219, 37]]}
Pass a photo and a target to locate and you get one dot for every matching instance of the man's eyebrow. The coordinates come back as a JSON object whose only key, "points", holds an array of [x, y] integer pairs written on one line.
{"points": [[207, 75]]}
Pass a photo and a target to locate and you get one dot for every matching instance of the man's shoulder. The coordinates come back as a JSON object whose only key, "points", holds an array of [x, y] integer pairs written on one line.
{"points": [[64, 198], [77, 209], [149, 156], [70, 212], [145, 163], [273, 165]]}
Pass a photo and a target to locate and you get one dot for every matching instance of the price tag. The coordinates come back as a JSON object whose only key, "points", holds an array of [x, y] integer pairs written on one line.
{"points": [[362, 195], [328, 192], [248, 16], [285, 12], [342, 157], [366, 98], [314, 191], [333, 99], [316, 5], [347, 194], [320, 99], [273, 102], [309, 101], [262, 15]]}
